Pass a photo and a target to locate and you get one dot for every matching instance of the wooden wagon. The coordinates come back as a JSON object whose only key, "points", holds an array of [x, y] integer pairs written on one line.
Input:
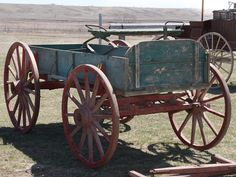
{"points": [[108, 84]]}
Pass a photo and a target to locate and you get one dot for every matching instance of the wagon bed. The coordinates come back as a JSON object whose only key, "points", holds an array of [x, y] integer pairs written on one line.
{"points": [[147, 68]]}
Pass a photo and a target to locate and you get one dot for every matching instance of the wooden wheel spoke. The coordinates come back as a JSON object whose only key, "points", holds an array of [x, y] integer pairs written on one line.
{"points": [[11, 97], [15, 106], [74, 100], [18, 60], [70, 114], [196, 96], [208, 87], [189, 93], [79, 90], [75, 130], [213, 112], [13, 72], [98, 142], [200, 123], [90, 145], [206, 43], [217, 43], [86, 84], [220, 50], [209, 124], [194, 123], [212, 42], [23, 68], [101, 130], [28, 112], [100, 102], [95, 90], [82, 140], [19, 115], [27, 109], [15, 64], [24, 114], [185, 122], [29, 91], [100, 117], [220, 67], [213, 98], [30, 102]]}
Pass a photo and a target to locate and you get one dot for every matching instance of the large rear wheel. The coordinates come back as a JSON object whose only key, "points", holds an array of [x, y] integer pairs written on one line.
{"points": [[220, 53], [205, 124]]}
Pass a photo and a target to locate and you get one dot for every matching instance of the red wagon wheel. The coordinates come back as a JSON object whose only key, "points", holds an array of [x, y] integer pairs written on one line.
{"points": [[220, 52], [205, 124], [21, 87], [120, 42], [90, 116]]}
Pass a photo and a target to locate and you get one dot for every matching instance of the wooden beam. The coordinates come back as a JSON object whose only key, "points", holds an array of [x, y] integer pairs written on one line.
{"points": [[208, 168], [135, 174]]}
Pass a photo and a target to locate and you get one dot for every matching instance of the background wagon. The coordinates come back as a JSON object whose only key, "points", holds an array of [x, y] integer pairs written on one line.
{"points": [[107, 84]]}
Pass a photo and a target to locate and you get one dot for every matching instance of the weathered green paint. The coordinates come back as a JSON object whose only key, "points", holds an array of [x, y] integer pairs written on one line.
{"points": [[146, 68], [132, 32], [167, 64]]}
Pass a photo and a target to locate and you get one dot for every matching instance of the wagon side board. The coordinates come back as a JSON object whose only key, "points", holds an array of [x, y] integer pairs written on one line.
{"points": [[165, 66], [146, 68], [57, 62]]}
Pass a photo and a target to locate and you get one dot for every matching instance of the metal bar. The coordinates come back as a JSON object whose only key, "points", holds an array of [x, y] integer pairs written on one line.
{"points": [[137, 66], [202, 15], [100, 24]]}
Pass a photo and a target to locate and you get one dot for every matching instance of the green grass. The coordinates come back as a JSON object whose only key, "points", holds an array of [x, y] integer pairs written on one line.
{"points": [[146, 142]]}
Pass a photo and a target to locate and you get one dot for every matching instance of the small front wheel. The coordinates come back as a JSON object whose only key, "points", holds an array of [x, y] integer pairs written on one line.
{"points": [[21, 87], [90, 116]]}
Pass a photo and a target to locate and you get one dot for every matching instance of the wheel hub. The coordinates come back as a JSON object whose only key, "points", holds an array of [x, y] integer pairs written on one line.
{"points": [[197, 107], [18, 87], [83, 116]]}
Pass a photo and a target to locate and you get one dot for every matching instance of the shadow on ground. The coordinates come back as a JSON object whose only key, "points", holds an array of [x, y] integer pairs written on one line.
{"points": [[46, 145]]}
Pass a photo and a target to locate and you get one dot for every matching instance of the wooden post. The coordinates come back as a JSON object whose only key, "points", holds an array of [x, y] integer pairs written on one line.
{"points": [[100, 24], [202, 16]]}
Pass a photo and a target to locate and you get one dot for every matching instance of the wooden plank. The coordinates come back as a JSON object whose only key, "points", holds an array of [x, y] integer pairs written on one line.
{"points": [[208, 168], [135, 174], [220, 159]]}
